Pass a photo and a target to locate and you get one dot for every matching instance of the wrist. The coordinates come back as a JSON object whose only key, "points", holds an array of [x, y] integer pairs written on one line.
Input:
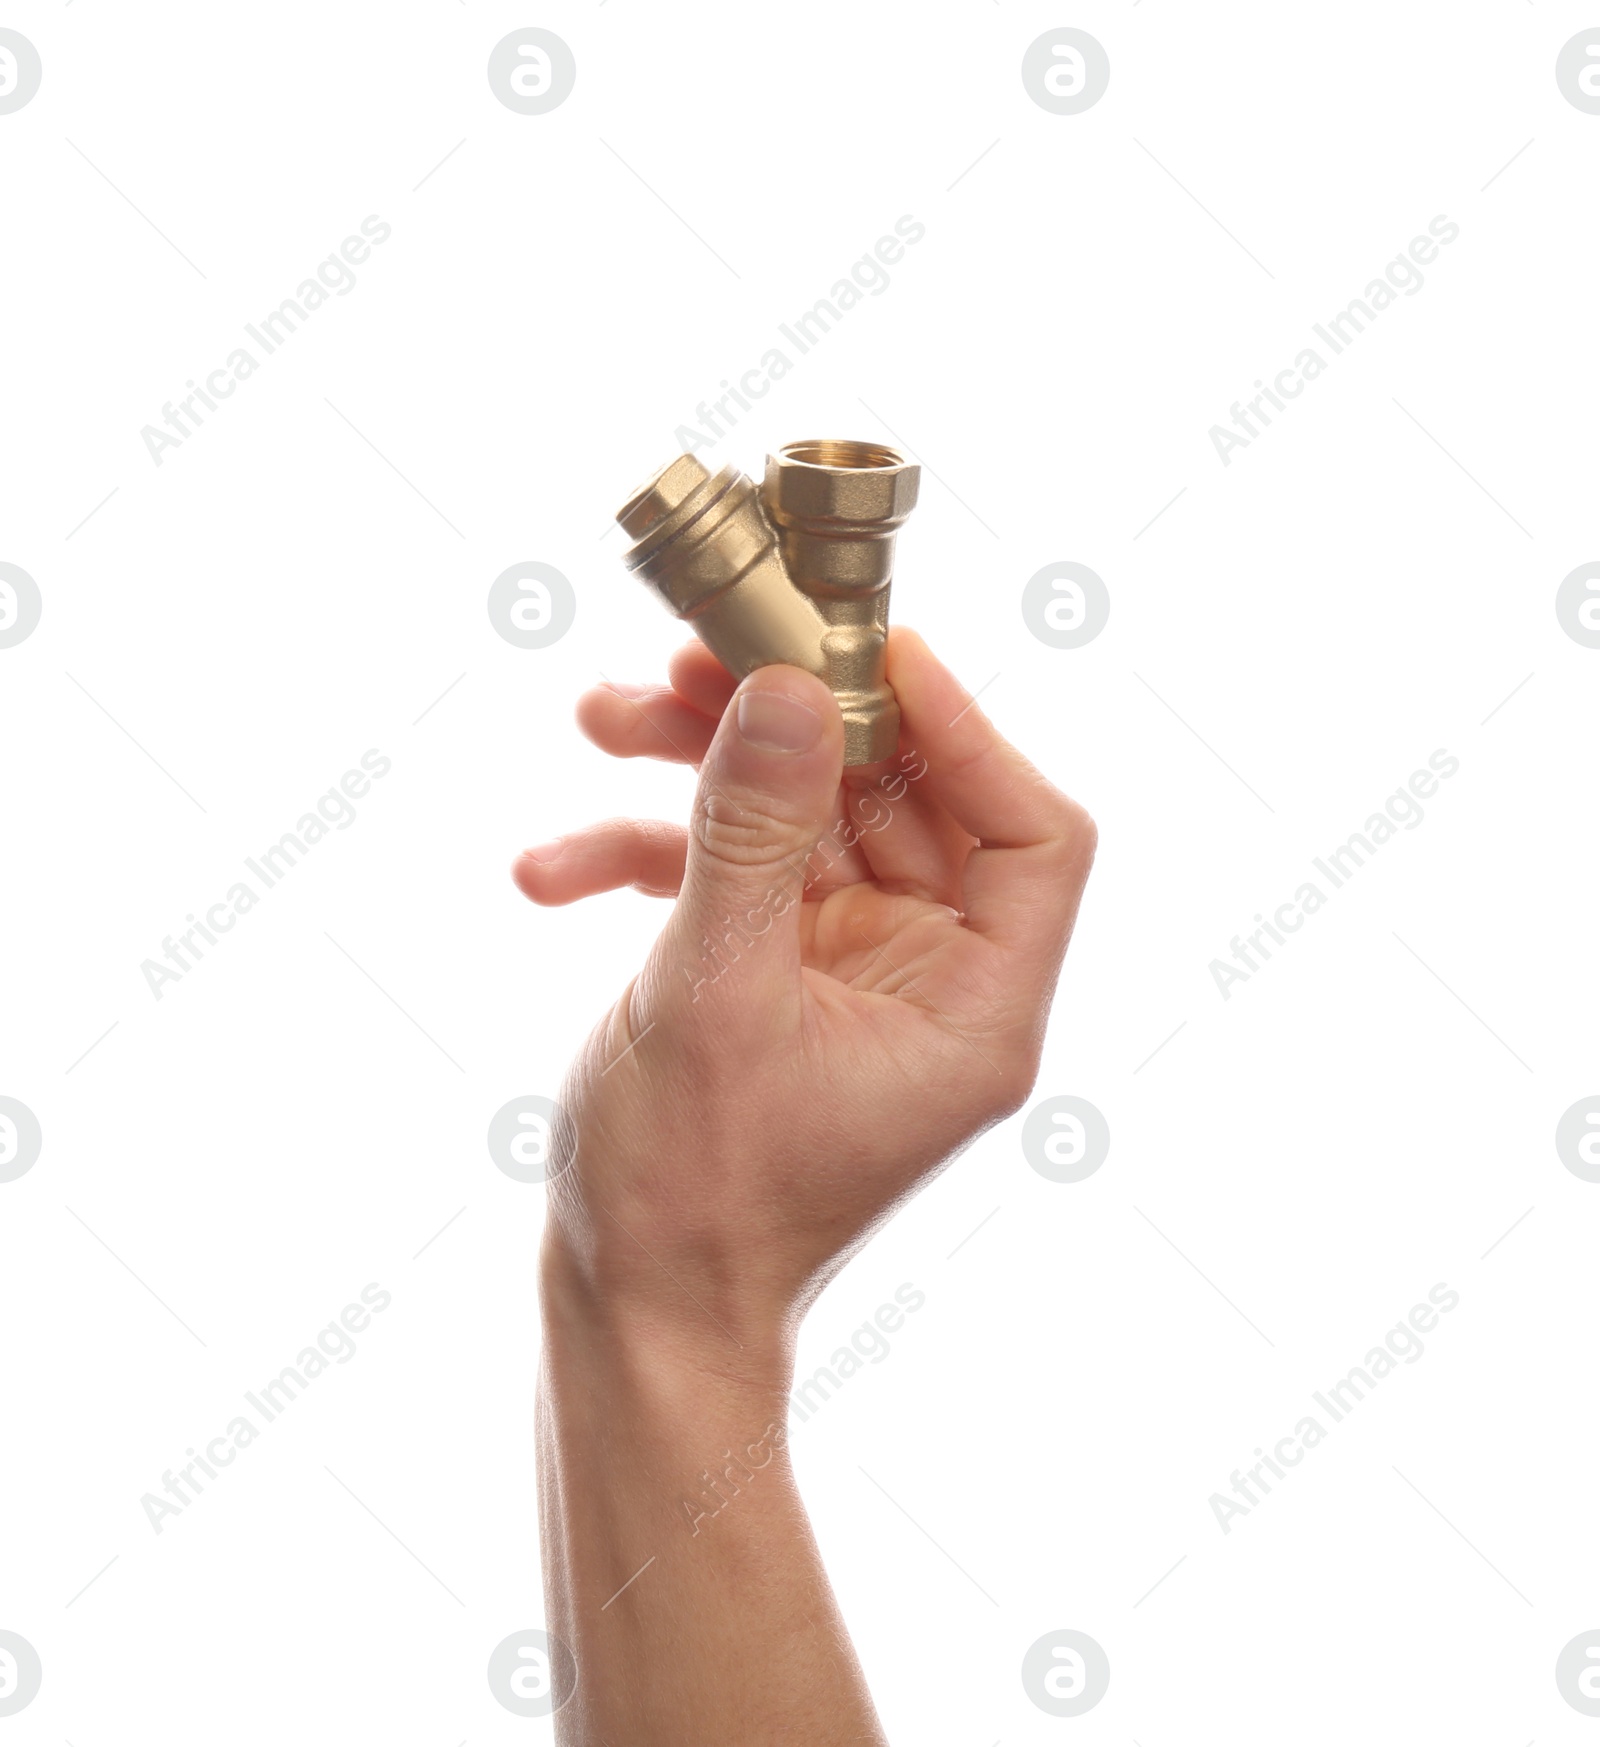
{"points": [[640, 1328]]}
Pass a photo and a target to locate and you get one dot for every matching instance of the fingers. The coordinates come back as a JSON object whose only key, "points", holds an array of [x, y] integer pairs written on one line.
{"points": [[647, 854], [1022, 884], [989, 787], [644, 721], [701, 679], [673, 722], [767, 794], [910, 842]]}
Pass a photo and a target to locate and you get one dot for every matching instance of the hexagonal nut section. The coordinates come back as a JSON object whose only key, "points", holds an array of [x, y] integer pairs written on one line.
{"points": [[661, 494], [831, 479]]}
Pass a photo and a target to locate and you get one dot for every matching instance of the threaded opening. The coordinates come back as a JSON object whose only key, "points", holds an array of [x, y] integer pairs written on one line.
{"points": [[841, 452]]}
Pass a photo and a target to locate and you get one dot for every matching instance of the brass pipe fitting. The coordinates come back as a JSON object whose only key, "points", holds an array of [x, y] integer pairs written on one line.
{"points": [[702, 542], [801, 578], [837, 507]]}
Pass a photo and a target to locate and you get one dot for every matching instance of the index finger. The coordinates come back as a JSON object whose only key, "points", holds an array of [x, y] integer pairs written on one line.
{"points": [[1021, 885]]}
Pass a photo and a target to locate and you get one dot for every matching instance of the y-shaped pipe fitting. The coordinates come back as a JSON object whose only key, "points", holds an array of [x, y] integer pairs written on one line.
{"points": [[814, 593]]}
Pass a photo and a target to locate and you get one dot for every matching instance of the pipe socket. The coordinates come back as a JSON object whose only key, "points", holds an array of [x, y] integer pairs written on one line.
{"points": [[837, 507], [798, 574]]}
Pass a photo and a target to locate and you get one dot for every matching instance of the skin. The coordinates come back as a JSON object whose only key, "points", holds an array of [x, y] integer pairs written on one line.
{"points": [[735, 1129]]}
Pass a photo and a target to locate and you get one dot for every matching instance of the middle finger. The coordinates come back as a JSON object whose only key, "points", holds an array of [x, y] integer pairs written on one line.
{"points": [[645, 721]]}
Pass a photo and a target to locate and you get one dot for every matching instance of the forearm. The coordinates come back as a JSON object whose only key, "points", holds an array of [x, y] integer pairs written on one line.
{"points": [[679, 1565]]}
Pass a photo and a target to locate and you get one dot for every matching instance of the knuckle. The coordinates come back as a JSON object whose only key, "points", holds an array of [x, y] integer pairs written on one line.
{"points": [[745, 831], [657, 837], [1076, 835], [1012, 1087], [1085, 833]]}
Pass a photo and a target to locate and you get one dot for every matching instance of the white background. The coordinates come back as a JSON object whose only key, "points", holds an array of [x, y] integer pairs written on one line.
{"points": [[1288, 642]]}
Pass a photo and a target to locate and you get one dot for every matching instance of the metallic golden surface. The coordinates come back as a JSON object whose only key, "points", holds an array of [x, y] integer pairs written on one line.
{"points": [[837, 507], [703, 543], [797, 575]]}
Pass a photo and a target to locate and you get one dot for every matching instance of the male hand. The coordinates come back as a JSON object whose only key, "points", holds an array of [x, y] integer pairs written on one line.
{"points": [[853, 983]]}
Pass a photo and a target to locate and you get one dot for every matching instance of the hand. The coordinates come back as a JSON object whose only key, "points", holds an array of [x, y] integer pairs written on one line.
{"points": [[854, 982]]}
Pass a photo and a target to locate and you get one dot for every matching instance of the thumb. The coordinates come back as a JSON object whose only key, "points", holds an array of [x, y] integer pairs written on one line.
{"points": [[765, 800]]}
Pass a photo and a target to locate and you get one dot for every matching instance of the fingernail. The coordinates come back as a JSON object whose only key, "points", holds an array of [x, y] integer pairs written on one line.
{"points": [[778, 723], [546, 851]]}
